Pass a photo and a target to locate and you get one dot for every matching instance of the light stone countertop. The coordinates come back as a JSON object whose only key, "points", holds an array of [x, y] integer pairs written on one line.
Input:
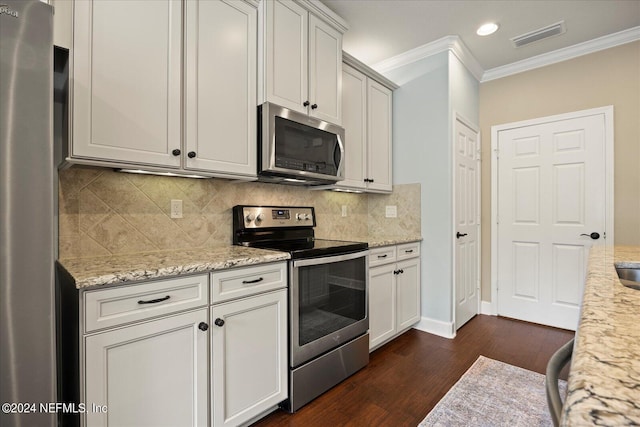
{"points": [[161, 264], [604, 381], [375, 242], [109, 270]]}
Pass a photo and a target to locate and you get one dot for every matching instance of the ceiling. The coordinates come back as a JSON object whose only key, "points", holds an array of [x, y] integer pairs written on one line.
{"points": [[382, 29]]}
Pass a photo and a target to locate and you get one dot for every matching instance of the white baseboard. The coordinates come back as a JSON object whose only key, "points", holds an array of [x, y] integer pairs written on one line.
{"points": [[436, 327], [486, 307]]}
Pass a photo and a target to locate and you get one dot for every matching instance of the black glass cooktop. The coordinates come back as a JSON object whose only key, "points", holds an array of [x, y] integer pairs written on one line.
{"points": [[312, 247]]}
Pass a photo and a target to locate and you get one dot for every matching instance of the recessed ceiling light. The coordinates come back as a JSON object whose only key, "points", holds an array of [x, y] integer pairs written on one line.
{"points": [[487, 29]]}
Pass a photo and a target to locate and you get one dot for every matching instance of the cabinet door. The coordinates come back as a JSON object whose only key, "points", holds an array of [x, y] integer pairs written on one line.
{"points": [[127, 60], [354, 115], [408, 293], [382, 304], [325, 71], [286, 56], [249, 357], [221, 45], [379, 136], [151, 374]]}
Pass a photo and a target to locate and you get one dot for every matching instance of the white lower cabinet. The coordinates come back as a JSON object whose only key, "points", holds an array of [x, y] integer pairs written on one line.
{"points": [[163, 353], [248, 357], [149, 374], [394, 291]]}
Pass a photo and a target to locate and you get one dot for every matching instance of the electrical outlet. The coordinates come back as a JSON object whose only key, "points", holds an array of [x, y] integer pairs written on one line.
{"points": [[176, 208], [391, 211], [344, 210]]}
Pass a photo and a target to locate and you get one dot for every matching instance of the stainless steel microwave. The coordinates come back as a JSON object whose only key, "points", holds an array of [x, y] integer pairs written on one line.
{"points": [[297, 149]]}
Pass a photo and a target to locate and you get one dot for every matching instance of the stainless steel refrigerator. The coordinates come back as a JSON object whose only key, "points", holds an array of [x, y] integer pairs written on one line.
{"points": [[27, 213]]}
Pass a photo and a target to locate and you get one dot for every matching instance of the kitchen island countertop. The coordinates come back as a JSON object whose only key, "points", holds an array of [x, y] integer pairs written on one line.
{"points": [[604, 382]]}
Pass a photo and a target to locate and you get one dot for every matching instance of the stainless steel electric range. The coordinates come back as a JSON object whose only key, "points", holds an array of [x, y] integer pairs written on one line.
{"points": [[328, 297]]}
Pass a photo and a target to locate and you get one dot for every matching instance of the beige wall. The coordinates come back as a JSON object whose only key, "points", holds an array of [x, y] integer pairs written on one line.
{"points": [[609, 77], [102, 212]]}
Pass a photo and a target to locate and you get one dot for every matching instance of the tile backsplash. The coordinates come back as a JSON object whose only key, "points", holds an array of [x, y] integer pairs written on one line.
{"points": [[102, 212]]}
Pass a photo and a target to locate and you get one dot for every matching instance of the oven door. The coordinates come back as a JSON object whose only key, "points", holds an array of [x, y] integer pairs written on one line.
{"points": [[329, 303]]}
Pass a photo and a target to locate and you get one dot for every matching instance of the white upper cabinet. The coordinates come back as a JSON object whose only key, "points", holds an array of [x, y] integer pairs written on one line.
{"points": [[127, 62], [220, 97], [153, 88], [378, 137], [300, 61], [286, 56], [354, 110], [325, 71], [367, 115]]}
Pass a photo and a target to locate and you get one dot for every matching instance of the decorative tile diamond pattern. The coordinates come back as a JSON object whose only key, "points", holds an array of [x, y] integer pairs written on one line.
{"points": [[102, 212]]}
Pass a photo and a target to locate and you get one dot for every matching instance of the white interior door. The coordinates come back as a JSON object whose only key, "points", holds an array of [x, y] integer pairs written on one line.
{"points": [[467, 247], [551, 198]]}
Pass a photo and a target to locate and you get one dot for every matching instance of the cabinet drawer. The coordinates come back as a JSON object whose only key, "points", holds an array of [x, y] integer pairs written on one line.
{"points": [[116, 306], [408, 250], [383, 255], [236, 283]]}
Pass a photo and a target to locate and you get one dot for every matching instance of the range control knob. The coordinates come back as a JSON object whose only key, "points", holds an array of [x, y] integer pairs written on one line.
{"points": [[249, 217], [260, 217]]}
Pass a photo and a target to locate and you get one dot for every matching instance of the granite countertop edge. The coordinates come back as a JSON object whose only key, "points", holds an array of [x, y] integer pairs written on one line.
{"points": [[93, 272], [126, 269], [604, 380]]}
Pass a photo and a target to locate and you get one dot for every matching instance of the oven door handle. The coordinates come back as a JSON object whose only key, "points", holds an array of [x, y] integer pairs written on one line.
{"points": [[329, 259]]}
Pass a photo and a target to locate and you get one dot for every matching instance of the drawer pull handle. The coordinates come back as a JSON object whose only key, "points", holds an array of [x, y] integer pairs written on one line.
{"points": [[154, 301], [408, 251], [383, 256], [203, 326], [247, 282], [219, 322]]}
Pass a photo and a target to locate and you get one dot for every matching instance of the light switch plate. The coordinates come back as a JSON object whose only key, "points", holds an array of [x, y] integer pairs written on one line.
{"points": [[344, 210], [391, 211]]}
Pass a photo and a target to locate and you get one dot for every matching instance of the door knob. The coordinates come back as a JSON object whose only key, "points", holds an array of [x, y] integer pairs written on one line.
{"points": [[459, 235], [191, 154], [594, 235], [203, 326], [219, 322]]}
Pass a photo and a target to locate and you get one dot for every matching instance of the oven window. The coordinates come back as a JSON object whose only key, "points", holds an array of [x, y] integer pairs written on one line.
{"points": [[331, 297], [301, 147]]}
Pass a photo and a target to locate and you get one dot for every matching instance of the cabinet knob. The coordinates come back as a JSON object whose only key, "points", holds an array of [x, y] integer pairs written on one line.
{"points": [[203, 326], [305, 104], [176, 152], [191, 154], [219, 322], [314, 106]]}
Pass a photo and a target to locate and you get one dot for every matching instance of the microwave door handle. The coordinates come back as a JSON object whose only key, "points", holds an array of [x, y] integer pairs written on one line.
{"points": [[340, 147]]}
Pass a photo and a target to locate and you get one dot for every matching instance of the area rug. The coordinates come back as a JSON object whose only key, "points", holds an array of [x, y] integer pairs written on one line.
{"points": [[493, 393]]}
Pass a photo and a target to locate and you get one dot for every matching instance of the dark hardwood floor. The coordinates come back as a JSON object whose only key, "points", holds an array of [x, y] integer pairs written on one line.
{"points": [[408, 376]]}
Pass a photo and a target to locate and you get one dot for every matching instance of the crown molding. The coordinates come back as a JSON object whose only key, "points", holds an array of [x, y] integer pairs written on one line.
{"points": [[370, 72], [455, 45], [448, 43], [564, 54], [465, 56]]}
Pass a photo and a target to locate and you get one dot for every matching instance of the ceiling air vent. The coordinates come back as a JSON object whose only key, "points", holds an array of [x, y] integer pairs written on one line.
{"points": [[539, 34]]}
